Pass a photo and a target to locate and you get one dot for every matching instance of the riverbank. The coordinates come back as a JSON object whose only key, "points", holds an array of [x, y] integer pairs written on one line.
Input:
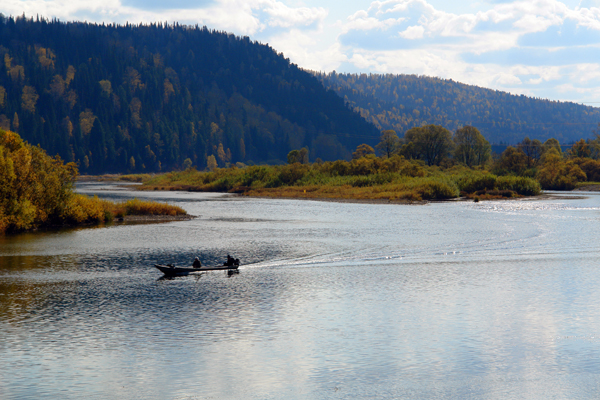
{"points": [[542, 196], [154, 218], [393, 179], [588, 188]]}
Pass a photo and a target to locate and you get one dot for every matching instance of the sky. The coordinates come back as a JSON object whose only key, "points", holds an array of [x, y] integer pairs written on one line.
{"points": [[541, 48]]}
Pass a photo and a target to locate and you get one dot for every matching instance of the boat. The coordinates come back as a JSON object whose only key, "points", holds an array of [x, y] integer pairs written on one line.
{"points": [[171, 270]]}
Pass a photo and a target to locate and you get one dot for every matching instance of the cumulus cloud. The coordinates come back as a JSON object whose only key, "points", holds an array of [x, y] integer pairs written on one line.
{"points": [[287, 17], [516, 45], [413, 32], [300, 49], [243, 17]]}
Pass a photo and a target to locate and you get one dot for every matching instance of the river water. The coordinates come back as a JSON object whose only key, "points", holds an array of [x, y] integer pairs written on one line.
{"points": [[453, 300]]}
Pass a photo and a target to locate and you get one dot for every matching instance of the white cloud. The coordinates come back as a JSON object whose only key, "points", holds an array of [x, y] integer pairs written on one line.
{"points": [[287, 17], [413, 32], [506, 79], [298, 45], [242, 17], [367, 62], [510, 45], [62, 9]]}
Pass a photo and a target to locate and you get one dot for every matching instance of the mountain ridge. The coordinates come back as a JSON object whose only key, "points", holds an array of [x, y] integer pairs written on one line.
{"points": [[401, 102], [146, 98]]}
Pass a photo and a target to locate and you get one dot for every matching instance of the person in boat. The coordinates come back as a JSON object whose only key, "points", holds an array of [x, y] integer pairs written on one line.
{"points": [[229, 261], [197, 263]]}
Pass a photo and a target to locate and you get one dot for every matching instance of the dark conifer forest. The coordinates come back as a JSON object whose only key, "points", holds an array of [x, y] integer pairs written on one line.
{"points": [[156, 97], [401, 102]]}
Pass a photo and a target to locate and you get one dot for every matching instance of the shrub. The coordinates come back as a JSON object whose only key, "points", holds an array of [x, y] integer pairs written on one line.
{"points": [[590, 167], [253, 174], [373, 180], [518, 184], [437, 190], [557, 174], [338, 167], [471, 183], [139, 207], [290, 174]]}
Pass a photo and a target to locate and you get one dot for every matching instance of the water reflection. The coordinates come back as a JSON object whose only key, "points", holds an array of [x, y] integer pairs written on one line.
{"points": [[453, 300]]}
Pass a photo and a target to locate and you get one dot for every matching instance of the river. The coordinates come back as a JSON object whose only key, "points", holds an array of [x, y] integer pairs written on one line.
{"points": [[452, 300]]}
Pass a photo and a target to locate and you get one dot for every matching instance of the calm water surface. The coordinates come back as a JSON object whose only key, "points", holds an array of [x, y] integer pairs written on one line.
{"points": [[458, 300]]}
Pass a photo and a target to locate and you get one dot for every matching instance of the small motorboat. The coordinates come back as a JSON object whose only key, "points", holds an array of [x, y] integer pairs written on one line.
{"points": [[171, 270]]}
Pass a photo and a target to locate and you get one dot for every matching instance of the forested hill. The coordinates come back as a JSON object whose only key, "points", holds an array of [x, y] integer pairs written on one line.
{"points": [[146, 98], [401, 102]]}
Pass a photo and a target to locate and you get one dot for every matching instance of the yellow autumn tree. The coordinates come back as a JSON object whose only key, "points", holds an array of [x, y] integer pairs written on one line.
{"points": [[211, 163], [133, 79], [70, 75], [86, 121], [71, 98], [4, 122], [15, 121], [68, 126], [223, 155], [29, 99], [106, 87], [7, 61], [168, 90], [46, 57], [242, 148], [136, 108], [2, 96], [34, 188], [16, 72], [57, 86]]}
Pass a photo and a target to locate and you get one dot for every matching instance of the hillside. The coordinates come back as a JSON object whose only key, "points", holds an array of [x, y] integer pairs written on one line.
{"points": [[401, 102], [146, 98]]}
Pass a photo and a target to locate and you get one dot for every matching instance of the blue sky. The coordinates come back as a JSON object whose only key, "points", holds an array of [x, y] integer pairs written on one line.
{"points": [[542, 48]]}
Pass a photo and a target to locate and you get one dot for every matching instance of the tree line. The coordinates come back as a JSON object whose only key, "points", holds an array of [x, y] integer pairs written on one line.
{"points": [[156, 97], [435, 145], [401, 102]]}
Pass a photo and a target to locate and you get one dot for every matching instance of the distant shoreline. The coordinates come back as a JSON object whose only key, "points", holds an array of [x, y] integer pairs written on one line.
{"points": [[128, 185], [155, 218], [588, 188], [543, 196], [268, 194]]}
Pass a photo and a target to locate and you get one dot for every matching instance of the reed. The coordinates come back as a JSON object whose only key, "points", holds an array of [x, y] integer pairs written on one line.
{"points": [[139, 207], [83, 209]]}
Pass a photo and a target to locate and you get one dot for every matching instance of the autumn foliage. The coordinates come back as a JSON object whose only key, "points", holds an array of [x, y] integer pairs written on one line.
{"points": [[36, 190]]}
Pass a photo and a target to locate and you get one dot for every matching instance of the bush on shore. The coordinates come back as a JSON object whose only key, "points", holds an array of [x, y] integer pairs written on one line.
{"points": [[36, 190]]}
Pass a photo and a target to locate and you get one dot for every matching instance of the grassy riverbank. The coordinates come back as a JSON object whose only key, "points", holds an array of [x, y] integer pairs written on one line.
{"points": [[368, 178], [84, 209], [36, 191]]}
